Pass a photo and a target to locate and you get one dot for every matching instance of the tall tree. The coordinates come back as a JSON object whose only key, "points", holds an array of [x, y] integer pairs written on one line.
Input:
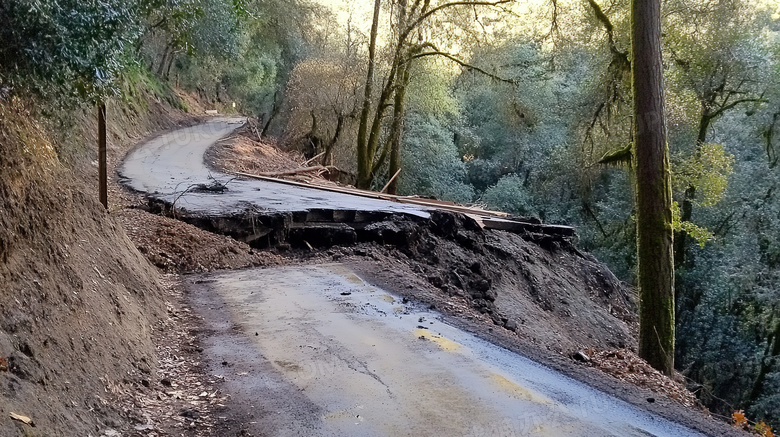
{"points": [[413, 18], [364, 156], [653, 190]]}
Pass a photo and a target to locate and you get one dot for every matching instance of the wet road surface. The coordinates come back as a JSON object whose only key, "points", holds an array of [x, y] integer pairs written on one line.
{"points": [[314, 350], [170, 164]]}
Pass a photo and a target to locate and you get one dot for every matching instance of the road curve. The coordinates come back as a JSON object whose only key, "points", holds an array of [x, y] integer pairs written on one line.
{"points": [[168, 166]]}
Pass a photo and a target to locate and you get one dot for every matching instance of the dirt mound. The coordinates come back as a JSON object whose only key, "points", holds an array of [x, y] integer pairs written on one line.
{"points": [[539, 287], [175, 246]]}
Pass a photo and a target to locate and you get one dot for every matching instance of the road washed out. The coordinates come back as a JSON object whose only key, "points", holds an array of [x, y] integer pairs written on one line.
{"points": [[316, 351]]}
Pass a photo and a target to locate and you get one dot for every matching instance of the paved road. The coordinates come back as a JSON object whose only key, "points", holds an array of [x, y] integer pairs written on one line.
{"points": [[166, 166], [316, 351]]}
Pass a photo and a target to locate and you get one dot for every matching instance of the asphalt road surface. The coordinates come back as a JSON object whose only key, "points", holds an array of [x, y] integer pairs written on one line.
{"points": [[170, 166], [316, 351]]}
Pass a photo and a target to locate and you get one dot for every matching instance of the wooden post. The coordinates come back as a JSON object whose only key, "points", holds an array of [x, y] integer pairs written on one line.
{"points": [[102, 172]]}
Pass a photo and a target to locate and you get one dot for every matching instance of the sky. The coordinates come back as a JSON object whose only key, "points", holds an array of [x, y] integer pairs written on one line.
{"points": [[360, 10]]}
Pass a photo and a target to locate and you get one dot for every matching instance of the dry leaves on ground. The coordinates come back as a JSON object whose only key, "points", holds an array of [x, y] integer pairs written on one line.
{"points": [[243, 154], [627, 366]]}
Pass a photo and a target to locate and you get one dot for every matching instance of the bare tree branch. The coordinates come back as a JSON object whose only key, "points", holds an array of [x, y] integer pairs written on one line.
{"points": [[610, 29], [464, 65], [427, 14]]}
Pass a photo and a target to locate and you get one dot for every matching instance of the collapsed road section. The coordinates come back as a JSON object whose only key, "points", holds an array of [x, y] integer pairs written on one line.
{"points": [[265, 212], [529, 290]]}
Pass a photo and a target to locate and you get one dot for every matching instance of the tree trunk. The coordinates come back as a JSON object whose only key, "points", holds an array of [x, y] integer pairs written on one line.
{"points": [[399, 109], [327, 158], [275, 107], [170, 64], [681, 239], [397, 129], [163, 61], [653, 190], [364, 161]]}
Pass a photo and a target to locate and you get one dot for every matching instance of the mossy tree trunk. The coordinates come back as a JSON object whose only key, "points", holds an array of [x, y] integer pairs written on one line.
{"points": [[399, 109], [364, 157], [653, 190], [374, 145]]}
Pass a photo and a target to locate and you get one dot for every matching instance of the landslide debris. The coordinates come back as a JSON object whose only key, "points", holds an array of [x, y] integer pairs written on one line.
{"points": [[532, 283], [539, 287], [536, 288], [178, 247], [523, 288]]}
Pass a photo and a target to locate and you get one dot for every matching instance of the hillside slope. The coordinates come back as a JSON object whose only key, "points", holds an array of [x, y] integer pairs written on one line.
{"points": [[77, 300]]}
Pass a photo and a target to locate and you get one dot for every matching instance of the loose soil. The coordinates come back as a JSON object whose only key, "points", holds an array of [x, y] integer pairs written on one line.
{"points": [[89, 329], [77, 301], [175, 246]]}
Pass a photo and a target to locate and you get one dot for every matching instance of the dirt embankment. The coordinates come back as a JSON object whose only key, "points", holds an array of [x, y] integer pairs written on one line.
{"points": [[78, 303], [537, 286]]}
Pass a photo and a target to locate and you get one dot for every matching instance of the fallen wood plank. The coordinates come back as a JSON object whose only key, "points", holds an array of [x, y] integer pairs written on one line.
{"points": [[301, 184], [450, 207], [387, 185], [297, 171], [519, 226], [24, 419], [429, 203]]}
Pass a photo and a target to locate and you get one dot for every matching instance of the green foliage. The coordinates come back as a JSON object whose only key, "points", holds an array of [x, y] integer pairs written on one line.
{"points": [[77, 46], [430, 90], [508, 195], [430, 162], [701, 235], [707, 171], [217, 31]]}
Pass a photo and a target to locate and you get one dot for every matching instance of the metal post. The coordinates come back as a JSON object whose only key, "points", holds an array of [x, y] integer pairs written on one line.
{"points": [[102, 173]]}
